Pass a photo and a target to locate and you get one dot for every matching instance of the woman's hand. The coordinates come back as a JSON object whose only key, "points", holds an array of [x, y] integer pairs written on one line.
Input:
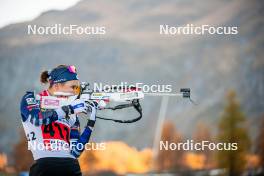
{"points": [[92, 108], [78, 106]]}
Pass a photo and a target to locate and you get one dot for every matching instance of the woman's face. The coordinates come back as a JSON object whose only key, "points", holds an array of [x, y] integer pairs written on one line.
{"points": [[72, 87]]}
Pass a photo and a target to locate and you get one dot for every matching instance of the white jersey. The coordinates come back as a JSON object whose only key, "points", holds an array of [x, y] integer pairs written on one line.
{"points": [[48, 135]]}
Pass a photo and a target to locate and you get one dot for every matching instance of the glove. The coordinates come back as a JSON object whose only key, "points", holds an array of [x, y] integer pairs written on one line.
{"points": [[92, 108], [78, 106]]}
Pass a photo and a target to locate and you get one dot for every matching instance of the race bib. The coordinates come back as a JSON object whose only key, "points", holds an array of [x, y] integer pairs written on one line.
{"points": [[57, 131]]}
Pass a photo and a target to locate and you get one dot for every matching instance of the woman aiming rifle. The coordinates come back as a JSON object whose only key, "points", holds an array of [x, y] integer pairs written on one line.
{"points": [[56, 127]]}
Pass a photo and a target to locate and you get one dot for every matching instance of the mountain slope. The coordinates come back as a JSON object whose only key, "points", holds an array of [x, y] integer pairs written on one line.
{"points": [[133, 51]]}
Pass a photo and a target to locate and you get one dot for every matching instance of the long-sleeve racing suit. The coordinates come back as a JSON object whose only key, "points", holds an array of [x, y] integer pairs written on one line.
{"points": [[48, 132]]}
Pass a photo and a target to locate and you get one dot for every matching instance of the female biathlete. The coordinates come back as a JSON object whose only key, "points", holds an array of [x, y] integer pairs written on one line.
{"points": [[54, 134]]}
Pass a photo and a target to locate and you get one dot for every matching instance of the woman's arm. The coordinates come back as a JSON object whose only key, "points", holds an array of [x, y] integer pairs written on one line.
{"points": [[79, 145], [30, 110], [84, 138]]}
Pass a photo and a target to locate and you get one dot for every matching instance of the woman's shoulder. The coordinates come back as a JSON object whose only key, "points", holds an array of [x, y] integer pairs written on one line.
{"points": [[33, 94], [28, 97]]}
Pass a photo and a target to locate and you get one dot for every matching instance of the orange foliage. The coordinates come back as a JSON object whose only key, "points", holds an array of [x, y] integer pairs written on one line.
{"points": [[253, 161], [117, 157], [3, 161], [195, 161]]}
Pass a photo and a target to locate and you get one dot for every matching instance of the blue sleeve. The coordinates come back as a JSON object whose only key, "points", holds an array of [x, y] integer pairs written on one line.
{"points": [[79, 146], [75, 131], [30, 110]]}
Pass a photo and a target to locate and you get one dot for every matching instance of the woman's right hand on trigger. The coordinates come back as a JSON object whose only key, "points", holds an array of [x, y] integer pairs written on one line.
{"points": [[92, 108]]}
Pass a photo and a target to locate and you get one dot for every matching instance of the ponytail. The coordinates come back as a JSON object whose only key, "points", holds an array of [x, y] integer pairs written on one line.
{"points": [[44, 77]]}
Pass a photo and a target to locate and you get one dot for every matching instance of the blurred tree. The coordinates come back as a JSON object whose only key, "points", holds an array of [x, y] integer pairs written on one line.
{"points": [[203, 133], [260, 142], [232, 130], [22, 156], [88, 161], [170, 160], [3, 161]]}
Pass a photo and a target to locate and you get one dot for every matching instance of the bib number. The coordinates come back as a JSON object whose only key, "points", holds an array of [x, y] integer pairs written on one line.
{"points": [[56, 130], [31, 136]]}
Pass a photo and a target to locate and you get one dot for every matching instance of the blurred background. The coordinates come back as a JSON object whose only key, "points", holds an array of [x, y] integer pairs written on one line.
{"points": [[225, 74]]}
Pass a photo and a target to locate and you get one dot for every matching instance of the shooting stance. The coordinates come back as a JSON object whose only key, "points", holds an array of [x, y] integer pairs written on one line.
{"points": [[54, 134]]}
